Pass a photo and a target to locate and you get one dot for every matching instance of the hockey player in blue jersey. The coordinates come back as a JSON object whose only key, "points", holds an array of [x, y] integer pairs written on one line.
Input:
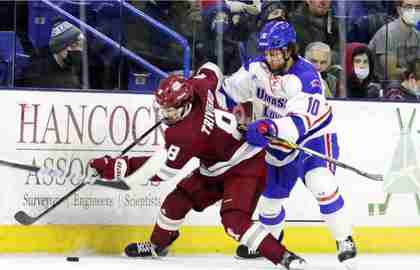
{"points": [[288, 102]]}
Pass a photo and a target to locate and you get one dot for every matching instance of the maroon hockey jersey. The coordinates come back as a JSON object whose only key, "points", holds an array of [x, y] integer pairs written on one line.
{"points": [[208, 133]]}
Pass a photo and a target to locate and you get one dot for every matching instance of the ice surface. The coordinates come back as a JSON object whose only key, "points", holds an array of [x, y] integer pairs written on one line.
{"points": [[199, 262]]}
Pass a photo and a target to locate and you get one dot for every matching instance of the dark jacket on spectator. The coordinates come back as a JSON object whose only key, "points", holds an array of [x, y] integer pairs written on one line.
{"points": [[310, 28], [355, 87], [46, 73]]}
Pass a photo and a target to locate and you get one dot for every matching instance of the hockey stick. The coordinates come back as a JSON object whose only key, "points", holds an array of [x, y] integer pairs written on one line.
{"points": [[121, 184], [299, 220], [23, 218], [38, 170], [372, 176]]}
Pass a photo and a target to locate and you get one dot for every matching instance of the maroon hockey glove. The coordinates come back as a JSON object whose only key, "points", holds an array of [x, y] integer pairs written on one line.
{"points": [[109, 168]]}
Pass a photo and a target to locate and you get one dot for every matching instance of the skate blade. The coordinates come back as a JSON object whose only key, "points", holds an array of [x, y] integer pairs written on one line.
{"points": [[247, 259], [142, 258], [299, 266], [351, 264]]}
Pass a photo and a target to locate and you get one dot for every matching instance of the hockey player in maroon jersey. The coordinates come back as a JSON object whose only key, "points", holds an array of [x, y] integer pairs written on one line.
{"points": [[230, 169]]}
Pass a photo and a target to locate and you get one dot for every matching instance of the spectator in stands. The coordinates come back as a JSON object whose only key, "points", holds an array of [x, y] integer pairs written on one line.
{"points": [[397, 43], [225, 23], [365, 18], [270, 11], [409, 87], [183, 17], [319, 54], [353, 9], [360, 72], [313, 21], [61, 68]]}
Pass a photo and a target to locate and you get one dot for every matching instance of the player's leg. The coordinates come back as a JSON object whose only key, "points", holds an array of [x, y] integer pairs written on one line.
{"points": [[189, 193], [280, 181], [239, 200], [170, 218], [320, 180]]}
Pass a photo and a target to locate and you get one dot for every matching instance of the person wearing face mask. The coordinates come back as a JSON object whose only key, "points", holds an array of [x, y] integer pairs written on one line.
{"points": [[360, 72], [397, 43], [62, 66], [409, 87]]}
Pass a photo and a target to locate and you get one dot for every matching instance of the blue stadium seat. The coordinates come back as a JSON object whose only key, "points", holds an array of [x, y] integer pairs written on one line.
{"points": [[40, 23], [143, 82], [41, 17], [4, 73], [8, 42]]}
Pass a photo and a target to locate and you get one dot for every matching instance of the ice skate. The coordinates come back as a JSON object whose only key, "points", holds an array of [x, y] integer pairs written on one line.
{"points": [[347, 253], [243, 252], [145, 250], [291, 261]]}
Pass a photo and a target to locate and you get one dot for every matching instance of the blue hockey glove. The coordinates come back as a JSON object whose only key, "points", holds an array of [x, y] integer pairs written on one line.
{"points": [[256, 132]]}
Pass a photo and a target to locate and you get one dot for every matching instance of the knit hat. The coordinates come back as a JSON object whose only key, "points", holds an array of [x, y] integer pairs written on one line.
{"points": [[63, 34]]}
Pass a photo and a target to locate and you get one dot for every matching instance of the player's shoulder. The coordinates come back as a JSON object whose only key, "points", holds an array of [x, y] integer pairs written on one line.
{"points": [[208, 76], [307, 75], [304, 69], [254, 62], [256, 67]]}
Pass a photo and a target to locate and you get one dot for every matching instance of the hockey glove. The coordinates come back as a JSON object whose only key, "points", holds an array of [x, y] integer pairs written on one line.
{"points": [[257, 131], [109, 168]]}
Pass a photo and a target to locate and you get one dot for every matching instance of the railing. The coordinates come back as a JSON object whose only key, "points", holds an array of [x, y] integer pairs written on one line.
{"points": [[162, 28], [134, 57]]}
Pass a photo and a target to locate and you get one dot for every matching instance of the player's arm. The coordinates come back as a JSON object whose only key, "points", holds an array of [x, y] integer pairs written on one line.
{"points": [[307, 107], [236, 89], [210, 76], [140, 169], [177, 162], [306, 110], [109, 168]]}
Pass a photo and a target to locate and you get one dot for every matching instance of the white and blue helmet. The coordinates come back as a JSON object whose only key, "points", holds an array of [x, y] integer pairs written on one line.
{"points": [[276, 34]]}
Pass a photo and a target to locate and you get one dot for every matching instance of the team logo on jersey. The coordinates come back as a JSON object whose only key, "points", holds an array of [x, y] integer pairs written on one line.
{"points": [[275, 81], [316, 83], [279, 102], [176, 86], [267, 112]]}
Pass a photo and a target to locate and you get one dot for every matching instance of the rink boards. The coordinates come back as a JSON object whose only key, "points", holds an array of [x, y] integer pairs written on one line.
{"points": [[66, 129]]}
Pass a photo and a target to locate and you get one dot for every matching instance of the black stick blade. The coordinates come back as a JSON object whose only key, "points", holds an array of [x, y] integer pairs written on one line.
{"points": [[24, 218], [113, 184], [373, 176]]}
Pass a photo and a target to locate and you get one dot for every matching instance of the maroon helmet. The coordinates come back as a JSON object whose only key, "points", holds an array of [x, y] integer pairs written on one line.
{"points": [[174, 97]]}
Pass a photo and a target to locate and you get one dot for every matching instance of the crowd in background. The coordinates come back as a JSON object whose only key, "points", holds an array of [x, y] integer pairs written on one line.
{"points": [[362, 49]]}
